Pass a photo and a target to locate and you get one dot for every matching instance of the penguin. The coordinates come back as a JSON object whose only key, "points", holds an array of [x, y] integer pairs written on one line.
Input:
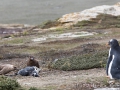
{"points": [[33, 62], [29, 71], [113, 62]]}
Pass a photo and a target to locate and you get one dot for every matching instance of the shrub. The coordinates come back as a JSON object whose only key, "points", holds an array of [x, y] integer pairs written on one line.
{"points": [[87, 61], [9, 84]]}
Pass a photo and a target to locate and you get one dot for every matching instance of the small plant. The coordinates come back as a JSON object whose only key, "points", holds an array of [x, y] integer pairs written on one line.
{"points": [[25, 32]]}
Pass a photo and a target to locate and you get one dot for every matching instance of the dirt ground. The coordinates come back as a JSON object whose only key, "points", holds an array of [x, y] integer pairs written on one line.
{"points": [[61, 79], [51, 79]]}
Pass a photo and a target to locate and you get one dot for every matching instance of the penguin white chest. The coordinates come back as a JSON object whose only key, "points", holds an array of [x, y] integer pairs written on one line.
{"points": [[110, 66]]}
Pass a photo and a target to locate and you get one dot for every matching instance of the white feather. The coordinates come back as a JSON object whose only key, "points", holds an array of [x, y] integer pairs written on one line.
{"points": [[109, 69]]}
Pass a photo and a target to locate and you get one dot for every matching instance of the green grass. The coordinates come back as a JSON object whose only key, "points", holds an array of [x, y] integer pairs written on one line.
{"points": [[86, 61]]}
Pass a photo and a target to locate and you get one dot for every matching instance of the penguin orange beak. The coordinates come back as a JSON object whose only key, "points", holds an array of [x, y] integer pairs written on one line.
{"points": [[107, 44]]}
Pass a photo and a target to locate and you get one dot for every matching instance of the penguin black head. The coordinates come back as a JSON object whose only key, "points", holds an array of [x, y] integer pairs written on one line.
{"points": [[113, 43]]}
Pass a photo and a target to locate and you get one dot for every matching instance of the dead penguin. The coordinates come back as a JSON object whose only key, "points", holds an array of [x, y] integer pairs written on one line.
{"points": [[29, 71]]}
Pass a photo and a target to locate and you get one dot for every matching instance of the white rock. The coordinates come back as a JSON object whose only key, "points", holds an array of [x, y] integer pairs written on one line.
{"points": [[91, 13]]}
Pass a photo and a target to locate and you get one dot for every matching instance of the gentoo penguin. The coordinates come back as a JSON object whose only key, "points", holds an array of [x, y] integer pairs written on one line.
{"points": [[113, 63], [29, 71]]}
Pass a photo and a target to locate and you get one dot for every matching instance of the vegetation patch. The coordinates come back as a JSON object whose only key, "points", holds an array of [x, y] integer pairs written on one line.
{"points": [[16, 41], [80, 62], [102, 21], [9, 84], [33, 88], [82, 23], [49, 24]]}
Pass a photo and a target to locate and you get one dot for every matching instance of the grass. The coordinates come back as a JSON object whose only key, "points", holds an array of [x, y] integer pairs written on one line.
{"points": [[49, 88], [9, 84], [101, 22], [60, 30], [81, 24], [49, 24], [14, 41], [86, 61], [33, 88]]}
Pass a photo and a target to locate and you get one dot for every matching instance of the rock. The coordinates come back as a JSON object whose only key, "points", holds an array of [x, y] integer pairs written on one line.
{"points": [[87, 14], [118, 4]]}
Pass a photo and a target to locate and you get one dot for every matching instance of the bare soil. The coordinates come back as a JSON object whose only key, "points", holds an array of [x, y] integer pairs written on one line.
{"points": [[62, 79]]}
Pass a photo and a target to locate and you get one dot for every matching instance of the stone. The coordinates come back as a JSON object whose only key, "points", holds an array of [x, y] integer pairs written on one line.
{"points": [[87, 14]]}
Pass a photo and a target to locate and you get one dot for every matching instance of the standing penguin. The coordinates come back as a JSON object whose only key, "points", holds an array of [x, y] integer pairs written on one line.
{"points": [[113, 63]]}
